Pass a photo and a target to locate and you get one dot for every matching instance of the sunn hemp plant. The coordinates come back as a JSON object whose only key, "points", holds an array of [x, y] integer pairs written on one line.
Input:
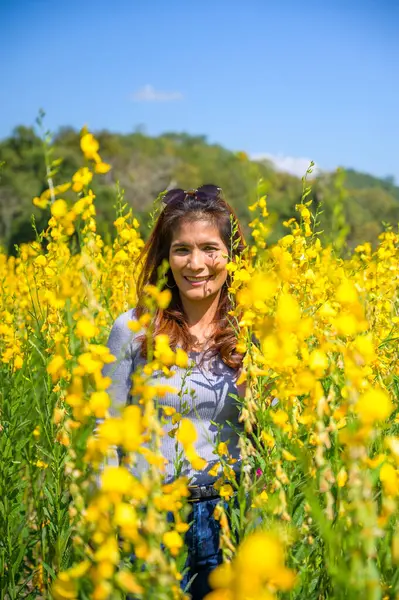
{"points": [[314, 512]]}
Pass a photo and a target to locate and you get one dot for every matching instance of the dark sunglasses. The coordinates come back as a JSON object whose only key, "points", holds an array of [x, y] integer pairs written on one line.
{"points": [[204, 192]]}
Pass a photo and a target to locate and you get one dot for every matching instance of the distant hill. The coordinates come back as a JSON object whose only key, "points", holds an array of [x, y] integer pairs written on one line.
{"points": [[145, 166], [356, 180]]}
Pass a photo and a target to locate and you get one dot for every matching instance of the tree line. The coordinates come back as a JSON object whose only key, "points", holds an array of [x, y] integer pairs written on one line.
{"points": [[347, 203]]}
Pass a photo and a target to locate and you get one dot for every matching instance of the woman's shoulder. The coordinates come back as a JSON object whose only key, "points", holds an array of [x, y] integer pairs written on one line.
{"points": [[123, 320], [121, 333]]}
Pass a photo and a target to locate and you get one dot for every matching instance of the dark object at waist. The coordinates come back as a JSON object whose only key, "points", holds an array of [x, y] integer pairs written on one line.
{"points": [[202, 492]]}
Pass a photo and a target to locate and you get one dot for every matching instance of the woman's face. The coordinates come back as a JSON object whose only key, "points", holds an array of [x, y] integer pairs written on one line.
{"points": [[198, 259]]}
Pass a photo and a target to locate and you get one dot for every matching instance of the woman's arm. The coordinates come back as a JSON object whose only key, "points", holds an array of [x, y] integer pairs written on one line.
{"points": [[121, 345]]}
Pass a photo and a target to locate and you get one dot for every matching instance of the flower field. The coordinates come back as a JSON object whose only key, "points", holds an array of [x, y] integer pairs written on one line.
{"points": [[314, 513]]}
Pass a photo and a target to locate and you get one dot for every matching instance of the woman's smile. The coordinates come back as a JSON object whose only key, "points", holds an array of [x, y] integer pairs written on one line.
{"points": [[197, 281]]}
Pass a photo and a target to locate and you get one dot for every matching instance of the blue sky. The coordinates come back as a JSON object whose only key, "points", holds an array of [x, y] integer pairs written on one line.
{"points": [[314, 80]]}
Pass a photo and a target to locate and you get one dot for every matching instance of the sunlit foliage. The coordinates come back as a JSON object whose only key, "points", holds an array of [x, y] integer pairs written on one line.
{"points": [[314, 514]]}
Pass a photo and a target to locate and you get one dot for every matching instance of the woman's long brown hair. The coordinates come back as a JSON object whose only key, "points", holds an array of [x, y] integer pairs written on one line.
{"points": [[173, 321]]}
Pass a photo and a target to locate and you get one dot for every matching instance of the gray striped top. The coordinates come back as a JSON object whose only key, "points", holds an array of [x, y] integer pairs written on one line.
{"points": [[206, 398]]}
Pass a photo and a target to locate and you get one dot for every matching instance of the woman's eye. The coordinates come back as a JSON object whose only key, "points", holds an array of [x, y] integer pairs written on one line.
{"points": [[207, 249]]}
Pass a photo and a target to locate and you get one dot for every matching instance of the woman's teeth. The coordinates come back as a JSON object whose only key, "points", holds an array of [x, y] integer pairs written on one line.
{"points": [[197, 279]]}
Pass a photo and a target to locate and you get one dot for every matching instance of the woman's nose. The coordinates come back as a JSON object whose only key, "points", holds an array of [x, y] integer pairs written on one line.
{"points": [[195, 260]]}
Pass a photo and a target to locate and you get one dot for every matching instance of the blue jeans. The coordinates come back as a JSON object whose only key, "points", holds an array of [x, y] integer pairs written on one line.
{"points": [[204, 555]]}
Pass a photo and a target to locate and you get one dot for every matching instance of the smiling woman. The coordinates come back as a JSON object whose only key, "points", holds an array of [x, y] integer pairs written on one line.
{"points": [[198, 233], [198, 258]]}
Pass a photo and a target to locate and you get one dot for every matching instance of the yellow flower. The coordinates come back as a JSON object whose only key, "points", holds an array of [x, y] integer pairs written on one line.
{"points": [[58, 415], [389, 479], [260, 500], [318, 362], [79, 569], [154, 458], [102, 167], [102, 591], [327, 311], [128, 583], [102, 352], [279, 417], [346, 325], [392, 443], [342, 477], [81, 179], [376, 461], [373, 406], [259, 563], [162, 389], [241, 347], [63, 438], [125, 515], [41, 464], [56, 368], [287, 241], [268, 439], [59, 209], [231, 267], [288, 313], [117, 480], [186, 433], [226, 491], [89, 363], [259, 290], [64, 588], [222, 576], [41, 202], [99, 402], [108, 551], [18, 362], [288, 456], [163, 299], [173, 541], [181, 358], [222, 449], [163, 351], [196, 461], [365, 345], [253, 550], [89, 146], [86, 329], [215, 469], [40, 261], [59, 189], [134, 326], [346, 293]]}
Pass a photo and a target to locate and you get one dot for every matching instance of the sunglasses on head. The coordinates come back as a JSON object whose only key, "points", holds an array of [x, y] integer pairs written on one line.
{"points": [[204, 192]]}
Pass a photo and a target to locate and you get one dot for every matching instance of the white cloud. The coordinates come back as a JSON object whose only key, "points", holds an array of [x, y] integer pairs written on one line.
{"points": [[288, 164], [149, 94]]}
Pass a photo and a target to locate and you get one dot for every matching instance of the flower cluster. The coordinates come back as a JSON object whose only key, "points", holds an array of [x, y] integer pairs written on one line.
{"points": [[317, 491]]}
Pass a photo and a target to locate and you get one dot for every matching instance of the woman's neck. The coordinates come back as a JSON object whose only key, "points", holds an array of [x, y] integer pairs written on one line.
{"points": [[201, 316]]}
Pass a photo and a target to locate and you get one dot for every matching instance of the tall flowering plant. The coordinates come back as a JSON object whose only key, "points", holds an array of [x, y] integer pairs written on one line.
{"points": [[314, 511]]}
